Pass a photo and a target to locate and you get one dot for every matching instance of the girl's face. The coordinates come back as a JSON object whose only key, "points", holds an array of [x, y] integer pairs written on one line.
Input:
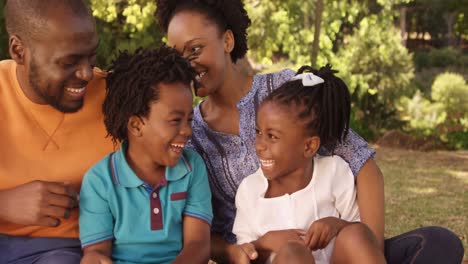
{"points": [[164, 132], [281, 142], [200, 39]]}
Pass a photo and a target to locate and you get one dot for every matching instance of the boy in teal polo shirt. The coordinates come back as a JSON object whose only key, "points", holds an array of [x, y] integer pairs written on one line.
{"points": [[150, 201]]}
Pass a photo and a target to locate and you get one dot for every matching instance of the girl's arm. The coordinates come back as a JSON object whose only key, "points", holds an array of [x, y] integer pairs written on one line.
{"points": [[196, 248], [370, 198], [98, 253], [370, 187]]}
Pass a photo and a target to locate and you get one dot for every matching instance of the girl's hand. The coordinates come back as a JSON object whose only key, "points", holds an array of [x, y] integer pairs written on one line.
{"points": [[95, 257], [322, 231], [274, 240], [242, 254]]}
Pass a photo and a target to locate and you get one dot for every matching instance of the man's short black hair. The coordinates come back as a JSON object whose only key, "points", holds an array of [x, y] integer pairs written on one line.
{"points": [[27, 18]]}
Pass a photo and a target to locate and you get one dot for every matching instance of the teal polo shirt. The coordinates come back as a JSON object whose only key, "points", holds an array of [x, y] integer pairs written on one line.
{"points": [[144, 222]]}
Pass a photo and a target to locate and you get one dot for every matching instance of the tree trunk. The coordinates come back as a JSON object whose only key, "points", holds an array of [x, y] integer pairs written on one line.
{"points": [[450, 21], [318, 25], [403, 26]]}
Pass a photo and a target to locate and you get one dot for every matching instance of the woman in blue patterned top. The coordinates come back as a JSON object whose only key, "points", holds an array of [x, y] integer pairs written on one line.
{"points": [[212, 34]]}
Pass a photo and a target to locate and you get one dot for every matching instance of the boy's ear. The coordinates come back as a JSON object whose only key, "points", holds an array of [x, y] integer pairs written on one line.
{"points": [[135, 125], [228, 41], [17, 49], [312, 145]]}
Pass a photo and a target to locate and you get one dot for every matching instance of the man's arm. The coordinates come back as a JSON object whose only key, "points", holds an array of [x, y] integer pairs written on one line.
{"points": [[37, 203], [196, 248]]}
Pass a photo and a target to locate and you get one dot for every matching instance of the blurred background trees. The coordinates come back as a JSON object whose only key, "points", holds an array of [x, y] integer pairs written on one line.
{"points": [[405, 61]]}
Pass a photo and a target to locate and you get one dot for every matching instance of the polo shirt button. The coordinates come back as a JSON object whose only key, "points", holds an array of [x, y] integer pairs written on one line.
{"points": [[155, 195], [156, 211]]}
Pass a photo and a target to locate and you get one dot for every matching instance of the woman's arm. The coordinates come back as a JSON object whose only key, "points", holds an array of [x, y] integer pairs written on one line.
{"points": [[196, 248], [370, 197]]}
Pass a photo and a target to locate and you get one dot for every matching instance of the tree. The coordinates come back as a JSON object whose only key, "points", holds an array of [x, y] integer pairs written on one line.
{"points": [[124, 25]]}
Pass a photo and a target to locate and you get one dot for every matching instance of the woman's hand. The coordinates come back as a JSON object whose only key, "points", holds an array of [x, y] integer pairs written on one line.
{"points": [[322, 231]]}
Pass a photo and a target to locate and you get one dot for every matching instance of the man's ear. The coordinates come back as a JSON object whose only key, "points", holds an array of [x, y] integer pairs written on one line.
{"points": [[135, 125], [312, 145], [229, 41], [17, 49]]}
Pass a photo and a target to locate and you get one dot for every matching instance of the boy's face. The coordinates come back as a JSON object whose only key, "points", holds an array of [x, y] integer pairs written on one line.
{"points": [[168, 126], [281, 144]]}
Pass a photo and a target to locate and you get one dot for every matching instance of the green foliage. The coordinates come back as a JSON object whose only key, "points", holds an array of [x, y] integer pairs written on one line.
{"points": [[451, 90], [124, 25], [458, 140], [377, 69], [3, 36], [421, 115], [446, 115], [284, 29], [448, 57]]}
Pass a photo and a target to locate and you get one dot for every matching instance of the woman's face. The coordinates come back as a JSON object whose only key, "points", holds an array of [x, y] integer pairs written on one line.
{"points": [[200, 40]]}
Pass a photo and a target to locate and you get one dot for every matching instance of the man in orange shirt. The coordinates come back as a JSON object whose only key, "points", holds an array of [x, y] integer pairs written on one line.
{"points": [[52, 128]]}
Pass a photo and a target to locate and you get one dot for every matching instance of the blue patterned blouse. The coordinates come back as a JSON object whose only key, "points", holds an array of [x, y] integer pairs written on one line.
{"points": [[230, 158]]}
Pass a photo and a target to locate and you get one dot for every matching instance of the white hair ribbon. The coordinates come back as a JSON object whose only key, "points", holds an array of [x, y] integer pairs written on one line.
{"points": [[308, 79]]}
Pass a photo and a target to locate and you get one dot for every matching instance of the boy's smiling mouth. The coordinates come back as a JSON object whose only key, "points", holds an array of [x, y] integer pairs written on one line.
{"points": [[177, 147]]}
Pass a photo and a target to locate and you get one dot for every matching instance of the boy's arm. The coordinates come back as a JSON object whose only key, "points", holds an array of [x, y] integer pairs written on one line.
{"points": [[196, 248], [99, 253], [197, 215]]}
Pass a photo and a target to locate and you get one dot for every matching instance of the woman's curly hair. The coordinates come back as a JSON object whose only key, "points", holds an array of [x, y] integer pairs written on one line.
{"points": [[227, 14], [132, 85]]}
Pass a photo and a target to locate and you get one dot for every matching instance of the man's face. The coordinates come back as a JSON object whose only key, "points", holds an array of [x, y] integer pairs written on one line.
{"points": [[61, 61]]}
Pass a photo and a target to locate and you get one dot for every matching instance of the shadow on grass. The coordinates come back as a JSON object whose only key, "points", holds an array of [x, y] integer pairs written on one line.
{"points": [[424, 189]]}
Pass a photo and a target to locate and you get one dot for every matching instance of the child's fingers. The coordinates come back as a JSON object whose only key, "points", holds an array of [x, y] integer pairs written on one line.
{"points": [[249, 249], [324, 240], [314, 240]]}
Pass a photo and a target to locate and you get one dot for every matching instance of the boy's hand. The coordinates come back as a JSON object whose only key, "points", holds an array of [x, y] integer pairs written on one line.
{"points": [[95, 257], [38, 203], [242, 254], [322, 231], [274, 240]]}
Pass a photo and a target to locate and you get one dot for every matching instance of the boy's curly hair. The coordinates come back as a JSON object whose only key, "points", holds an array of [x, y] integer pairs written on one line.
{"points": [[226, 14], [324, 108], [132, 85]]}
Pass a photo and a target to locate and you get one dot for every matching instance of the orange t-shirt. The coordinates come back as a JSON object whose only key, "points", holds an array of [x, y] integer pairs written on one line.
{"points": [[38, 142]]}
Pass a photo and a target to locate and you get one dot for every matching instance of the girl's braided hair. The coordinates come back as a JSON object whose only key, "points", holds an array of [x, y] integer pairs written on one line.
{"points": [[324, 107]]}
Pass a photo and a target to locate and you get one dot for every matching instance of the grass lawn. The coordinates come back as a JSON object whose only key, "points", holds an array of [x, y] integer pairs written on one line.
{"points": [[425, 188]]}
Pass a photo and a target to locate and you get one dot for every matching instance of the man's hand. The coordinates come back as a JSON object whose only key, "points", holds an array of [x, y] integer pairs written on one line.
{"points": [[38, 203], [322, 231], [94, 257], [274, 240]]}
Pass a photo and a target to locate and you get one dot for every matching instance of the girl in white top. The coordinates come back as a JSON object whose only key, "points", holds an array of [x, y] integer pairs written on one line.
{"points": [[299, 202]]}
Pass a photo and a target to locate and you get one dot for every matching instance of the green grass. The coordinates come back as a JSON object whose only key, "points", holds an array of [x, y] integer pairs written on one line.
{"points": [[424, 189]]}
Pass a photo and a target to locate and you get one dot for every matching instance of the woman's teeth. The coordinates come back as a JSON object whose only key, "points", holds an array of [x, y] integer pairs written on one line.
{"points": [[199, 76]]}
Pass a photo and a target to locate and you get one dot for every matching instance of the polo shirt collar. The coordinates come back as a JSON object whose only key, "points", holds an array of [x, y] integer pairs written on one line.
{"points": [[124, 175]]}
